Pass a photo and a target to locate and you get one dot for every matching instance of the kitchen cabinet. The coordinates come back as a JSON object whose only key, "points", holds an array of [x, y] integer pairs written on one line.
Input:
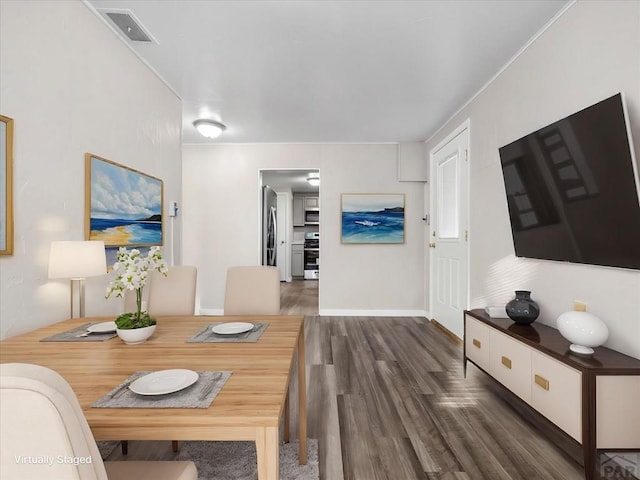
{"points": [[591, 398], [311, 202], [297, 260], [298, 210]]}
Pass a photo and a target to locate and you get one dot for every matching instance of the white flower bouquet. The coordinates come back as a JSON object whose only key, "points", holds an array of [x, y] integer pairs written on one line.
{"points": [[132, 270]]}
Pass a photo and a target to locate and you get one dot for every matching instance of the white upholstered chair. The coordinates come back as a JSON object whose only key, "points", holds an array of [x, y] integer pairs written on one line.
{"points": [[252, 290], [174, 294], [40, 417]]}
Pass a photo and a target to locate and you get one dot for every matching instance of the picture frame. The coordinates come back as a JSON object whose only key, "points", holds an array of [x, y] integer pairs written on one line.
{"points": [[6, 185], [123, 207], [372, 218]]}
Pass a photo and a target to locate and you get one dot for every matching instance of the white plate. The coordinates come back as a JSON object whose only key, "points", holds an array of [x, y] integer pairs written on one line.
{"points": [[104, 327], [232, 328], [164, 381]]}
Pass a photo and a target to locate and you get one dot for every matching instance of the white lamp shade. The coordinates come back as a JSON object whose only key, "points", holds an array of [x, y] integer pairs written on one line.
{"points": [[584, 330], [77, 259]]}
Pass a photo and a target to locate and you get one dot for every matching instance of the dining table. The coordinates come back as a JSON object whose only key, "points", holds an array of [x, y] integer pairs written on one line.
{"points": [[251, 406]]}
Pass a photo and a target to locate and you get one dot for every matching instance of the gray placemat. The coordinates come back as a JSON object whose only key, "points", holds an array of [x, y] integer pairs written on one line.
{"points": [[76, 335], [207, 336], [199, 395]]}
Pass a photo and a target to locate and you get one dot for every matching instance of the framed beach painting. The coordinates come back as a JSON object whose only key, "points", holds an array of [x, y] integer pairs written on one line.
{"points": [[6, 185], [372, 217], [123, 207]]}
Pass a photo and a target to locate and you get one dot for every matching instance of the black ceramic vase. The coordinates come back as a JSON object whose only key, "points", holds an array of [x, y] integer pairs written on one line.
{"points": [[523, 309]]}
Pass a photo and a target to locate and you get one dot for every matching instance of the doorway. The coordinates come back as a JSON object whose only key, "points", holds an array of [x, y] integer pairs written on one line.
{"points": [[449, 230], [298, 195]]}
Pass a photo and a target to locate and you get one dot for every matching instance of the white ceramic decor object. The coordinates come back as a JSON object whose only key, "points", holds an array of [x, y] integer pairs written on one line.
{"points": [[583, 329], [133, 336]]}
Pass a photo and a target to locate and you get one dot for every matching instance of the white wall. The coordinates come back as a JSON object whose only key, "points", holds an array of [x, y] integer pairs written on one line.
{"points": [[588, 54], [71, 87], [221, 218]]}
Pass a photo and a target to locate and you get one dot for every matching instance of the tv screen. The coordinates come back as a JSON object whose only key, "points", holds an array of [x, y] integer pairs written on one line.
{"points": [[572, 189]]}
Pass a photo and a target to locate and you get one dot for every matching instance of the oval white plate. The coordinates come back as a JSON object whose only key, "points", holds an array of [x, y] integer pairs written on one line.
{"points": [[164, 381], [104, 327], [232, 328]]}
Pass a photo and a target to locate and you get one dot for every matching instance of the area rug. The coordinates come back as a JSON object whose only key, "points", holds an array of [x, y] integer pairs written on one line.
{"points": [[237, 460]]}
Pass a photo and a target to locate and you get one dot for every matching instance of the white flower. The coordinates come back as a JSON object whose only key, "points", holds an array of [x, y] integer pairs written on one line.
{"points": [[132, 271]]}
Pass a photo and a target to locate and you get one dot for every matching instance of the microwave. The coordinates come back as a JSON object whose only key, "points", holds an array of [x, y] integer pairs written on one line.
{"points": [[312, 217]]}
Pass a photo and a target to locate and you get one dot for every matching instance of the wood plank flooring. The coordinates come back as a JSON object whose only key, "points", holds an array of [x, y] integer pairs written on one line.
{"points": [[387, 400], [299, 297]]}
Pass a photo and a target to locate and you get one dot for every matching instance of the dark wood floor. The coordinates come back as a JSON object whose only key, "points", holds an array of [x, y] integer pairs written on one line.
{"points": [[387, 400]]}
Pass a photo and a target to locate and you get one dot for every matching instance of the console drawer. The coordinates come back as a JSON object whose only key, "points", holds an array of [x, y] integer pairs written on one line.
{"points": [[476, 341], [510, 364], [556, 392]]}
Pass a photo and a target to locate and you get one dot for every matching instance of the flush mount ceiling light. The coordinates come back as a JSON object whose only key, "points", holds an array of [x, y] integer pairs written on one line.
{"points": [[314, 179], [209, 128]]}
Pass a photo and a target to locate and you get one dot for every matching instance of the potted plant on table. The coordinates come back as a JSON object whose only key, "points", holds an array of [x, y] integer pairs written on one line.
{"points": [[132, 270]]}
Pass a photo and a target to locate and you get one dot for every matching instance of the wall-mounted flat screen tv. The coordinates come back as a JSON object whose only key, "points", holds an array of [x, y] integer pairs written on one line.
{"points": [[572, 189]]}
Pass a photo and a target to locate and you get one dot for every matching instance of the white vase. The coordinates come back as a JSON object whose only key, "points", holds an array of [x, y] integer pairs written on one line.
{"points": [[584, 330], [133, 336]]}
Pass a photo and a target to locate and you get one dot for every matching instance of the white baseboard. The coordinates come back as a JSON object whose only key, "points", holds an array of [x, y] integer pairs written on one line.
{"points": [[336, 312]]}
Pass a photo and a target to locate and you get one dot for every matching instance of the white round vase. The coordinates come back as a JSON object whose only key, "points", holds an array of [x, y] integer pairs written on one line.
{"points": [[133, 336], [584, 330]]}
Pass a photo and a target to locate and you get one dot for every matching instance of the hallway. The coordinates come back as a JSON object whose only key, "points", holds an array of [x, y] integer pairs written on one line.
{"points": [[299, 297]]}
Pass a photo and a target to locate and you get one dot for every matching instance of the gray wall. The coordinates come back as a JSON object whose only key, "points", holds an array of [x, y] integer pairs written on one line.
{"points": [[222, 210], [590, 53], [71, 87]]}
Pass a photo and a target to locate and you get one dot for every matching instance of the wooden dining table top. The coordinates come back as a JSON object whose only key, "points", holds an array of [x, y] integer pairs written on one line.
{"points": [[253, 397]]}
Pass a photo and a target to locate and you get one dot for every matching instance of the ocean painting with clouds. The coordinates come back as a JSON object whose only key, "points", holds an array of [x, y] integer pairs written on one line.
{"points": [[124, 206], [372, 218]]}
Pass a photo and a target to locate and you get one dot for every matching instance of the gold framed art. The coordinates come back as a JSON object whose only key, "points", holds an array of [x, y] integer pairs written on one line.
{"points": [[6, 185], [123, 207]]}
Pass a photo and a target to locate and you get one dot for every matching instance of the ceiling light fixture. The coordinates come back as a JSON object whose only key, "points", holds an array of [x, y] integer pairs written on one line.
{"points": [[209, 128], [314, 179]]}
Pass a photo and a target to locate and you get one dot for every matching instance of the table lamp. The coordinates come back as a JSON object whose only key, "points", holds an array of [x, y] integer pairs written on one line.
{"points": [[77, 260]]}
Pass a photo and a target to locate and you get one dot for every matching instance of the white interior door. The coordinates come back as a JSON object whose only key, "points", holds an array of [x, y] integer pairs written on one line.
{"points": [[448, 231]]}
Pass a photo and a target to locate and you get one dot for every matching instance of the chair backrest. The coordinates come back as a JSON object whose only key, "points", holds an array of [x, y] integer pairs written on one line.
{"points": [[253, 290], [41, 425], [174, 294]]}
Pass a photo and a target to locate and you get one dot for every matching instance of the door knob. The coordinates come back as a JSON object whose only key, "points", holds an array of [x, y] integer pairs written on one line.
{"points": [[432, 245]]}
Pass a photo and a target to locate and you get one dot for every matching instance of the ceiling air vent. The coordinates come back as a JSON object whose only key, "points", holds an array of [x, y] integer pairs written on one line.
{"points": [[130, 26]]}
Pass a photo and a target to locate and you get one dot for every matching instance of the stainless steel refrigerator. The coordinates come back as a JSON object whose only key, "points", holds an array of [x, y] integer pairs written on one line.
{"points": [[269, 227]]}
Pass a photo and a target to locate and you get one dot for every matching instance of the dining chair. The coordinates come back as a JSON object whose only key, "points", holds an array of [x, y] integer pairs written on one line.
{"points": [[255, 290], [252, 290], [44, 434], [173, 294]]}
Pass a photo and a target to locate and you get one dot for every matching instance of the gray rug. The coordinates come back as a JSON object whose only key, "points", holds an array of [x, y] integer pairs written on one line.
{"points": [[237, 460]]}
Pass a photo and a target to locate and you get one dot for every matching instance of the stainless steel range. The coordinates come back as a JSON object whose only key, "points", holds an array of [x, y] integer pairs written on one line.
{"points": [[311, 255]]}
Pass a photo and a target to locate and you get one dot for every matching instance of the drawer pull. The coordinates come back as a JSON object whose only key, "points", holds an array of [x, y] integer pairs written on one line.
{"points": [[543, 382], [506, 362], [477, 343]]}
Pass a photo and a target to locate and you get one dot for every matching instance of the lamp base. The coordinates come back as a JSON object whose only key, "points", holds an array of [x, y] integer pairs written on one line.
{"points": [[581, 349]]}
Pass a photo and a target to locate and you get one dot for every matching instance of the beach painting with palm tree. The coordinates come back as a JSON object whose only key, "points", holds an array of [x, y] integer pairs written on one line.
{"points": [[373, 218], [123, 206]]}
